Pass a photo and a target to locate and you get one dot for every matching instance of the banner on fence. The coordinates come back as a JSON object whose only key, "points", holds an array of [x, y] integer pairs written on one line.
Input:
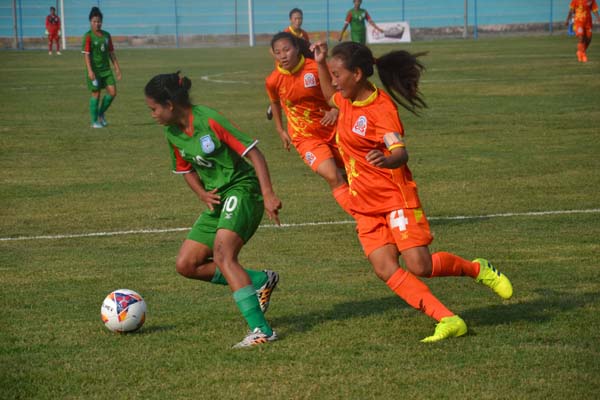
{"points": [[393, 32]]}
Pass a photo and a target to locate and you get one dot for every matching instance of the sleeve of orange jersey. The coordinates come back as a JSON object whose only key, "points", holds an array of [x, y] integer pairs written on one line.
{"points": [[271, 89], [387, 121]]}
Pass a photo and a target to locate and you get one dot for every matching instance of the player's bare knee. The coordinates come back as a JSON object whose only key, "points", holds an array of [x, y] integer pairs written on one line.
{"points": [[422, 269], [185, 267]]}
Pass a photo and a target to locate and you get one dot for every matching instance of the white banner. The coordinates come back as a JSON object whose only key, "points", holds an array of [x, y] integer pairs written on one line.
{"points": [[393, 32]]}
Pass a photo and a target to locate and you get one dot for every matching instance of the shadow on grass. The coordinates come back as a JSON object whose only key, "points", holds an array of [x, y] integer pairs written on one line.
{"points": [[545, 308], [341, 311]]}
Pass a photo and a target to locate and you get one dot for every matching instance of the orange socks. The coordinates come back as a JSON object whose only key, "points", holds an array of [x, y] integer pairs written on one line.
{"points": [[447, 264], [417, 294], [341, 194]]}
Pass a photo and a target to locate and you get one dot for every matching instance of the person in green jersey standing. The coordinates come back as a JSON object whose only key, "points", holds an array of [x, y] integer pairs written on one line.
{"points": [[98, 52], [210, 152], [356, 18]]}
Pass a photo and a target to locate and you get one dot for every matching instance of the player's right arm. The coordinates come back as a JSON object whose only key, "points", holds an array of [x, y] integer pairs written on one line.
{"points": [[286, 140], [272, 92], [86, 49], [348, 19], [210, 198]]}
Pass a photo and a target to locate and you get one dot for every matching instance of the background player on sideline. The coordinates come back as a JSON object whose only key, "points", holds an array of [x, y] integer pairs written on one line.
{"points": [[581, 12], [98, 52], [53, 30], [356, 17]]}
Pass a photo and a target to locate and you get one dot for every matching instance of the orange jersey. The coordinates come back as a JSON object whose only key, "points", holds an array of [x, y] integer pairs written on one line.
{"points": [[299, 92], [361, 127], [582, 11], [300, 34]]}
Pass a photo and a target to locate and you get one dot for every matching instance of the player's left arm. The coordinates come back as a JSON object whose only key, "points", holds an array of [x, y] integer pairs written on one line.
{"points": [[272, 202], [373, 24], [398, 156], [113, 58]]}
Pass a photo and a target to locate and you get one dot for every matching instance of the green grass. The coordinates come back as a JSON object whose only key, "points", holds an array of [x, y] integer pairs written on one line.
{"points": [[512, 127]]}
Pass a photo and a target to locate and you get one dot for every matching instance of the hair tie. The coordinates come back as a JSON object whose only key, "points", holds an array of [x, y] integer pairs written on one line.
{"points": [[180, 81], [375, 60]]}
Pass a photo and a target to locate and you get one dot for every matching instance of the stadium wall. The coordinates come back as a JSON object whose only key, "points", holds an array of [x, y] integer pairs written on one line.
{"points": [[191, 23]]}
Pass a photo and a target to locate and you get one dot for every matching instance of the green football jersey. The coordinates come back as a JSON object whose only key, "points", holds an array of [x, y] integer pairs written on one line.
{"points": [[356, 19], [99, 47], [215, 149]]}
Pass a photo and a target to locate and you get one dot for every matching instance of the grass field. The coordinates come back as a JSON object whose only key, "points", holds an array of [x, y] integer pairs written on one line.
{"points": [[510, 140]]}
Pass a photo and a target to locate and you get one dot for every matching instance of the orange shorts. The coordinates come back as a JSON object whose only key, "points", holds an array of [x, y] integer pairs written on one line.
{"points": [[583, 30], [316, 150], [406, 228]]}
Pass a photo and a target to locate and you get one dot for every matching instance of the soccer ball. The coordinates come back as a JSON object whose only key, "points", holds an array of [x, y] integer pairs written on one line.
{"points": [[123, 311]]}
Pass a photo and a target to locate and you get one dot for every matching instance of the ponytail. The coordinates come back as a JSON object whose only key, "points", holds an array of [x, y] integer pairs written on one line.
{"points": [[399, 71], [172, 88]]}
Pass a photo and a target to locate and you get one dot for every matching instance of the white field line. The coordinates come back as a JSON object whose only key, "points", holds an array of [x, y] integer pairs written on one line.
{"points": [[298, 225], [211, 78]]}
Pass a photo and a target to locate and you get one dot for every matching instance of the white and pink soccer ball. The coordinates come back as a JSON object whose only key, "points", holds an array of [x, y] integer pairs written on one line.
{"points": [[123, 310]]}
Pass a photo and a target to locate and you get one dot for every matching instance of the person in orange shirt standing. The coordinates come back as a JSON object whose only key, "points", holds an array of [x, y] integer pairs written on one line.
{"points": [[389, 217], [53, 30], [294, 88], [582, 11], [295, 28]]}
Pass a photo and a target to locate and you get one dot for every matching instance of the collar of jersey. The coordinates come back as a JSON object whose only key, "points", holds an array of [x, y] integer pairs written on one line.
{"points": [[190, 129], [294, 32], [293, 71], [368, 100]]}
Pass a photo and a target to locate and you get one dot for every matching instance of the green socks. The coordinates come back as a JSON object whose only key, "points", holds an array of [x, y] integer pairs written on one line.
{"points": [[94, 109], [258, 278], [106, 101], [247, 302]]}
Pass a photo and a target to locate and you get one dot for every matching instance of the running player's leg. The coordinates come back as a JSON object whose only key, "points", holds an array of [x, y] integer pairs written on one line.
{"points": [[227, 247], [322, 159], [195, 261], [412, 237]]}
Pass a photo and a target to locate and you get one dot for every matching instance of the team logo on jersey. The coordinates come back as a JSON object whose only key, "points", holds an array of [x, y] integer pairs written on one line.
{"points": [[309, 80], [360, 126], [208, 146], [310, 158]]}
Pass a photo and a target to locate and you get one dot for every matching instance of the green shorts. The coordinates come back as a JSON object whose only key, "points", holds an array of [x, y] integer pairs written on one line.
{"points": [[103, 79], [240, 211]]}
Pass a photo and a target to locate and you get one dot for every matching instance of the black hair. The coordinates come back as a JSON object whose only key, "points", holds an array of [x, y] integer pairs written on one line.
{"points": [[399, 71], [52, 8], [302, 45], [296, 10], [95, 12], [169, 87]]}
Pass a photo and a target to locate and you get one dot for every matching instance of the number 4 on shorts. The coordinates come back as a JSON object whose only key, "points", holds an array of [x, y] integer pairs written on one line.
{"points": [[398, 220]]}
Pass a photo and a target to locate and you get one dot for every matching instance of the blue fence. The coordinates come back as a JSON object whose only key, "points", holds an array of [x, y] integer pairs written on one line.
{"points": [[21, 20]]}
